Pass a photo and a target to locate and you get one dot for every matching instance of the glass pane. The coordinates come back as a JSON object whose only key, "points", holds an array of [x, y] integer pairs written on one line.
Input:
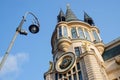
{"points": [[74, 76], [70, 78], [64, 75], [56, 76], [81, 34], [77, 51], [80, 75], [96, 36], [78, 66], [74, 69], [69, 72], [65, 79], [65, 31], [60, 75], [87, 35], [60, 32], [74, 33]]}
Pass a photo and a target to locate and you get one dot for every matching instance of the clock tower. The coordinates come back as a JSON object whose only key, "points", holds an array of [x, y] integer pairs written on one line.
{"points": [[76, 49]]}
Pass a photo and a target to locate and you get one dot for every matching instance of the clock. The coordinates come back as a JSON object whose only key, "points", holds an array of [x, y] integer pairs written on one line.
{"points": [[65, 62]]}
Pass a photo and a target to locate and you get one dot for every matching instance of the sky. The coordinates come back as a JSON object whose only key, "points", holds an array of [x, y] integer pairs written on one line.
{"points": [[30, 55]]}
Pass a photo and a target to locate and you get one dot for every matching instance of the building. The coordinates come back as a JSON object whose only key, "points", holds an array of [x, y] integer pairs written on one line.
{"points": [[111, 58], [79, 52]]}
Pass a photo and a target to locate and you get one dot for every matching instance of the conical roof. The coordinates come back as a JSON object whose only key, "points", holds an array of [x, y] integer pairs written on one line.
{"points": [[86, 16], [88, 19], [61, 16], [61, 13], [70, 16]]}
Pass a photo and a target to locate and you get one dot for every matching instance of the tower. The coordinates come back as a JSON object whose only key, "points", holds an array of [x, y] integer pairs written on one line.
{"points": [[76, 49]]}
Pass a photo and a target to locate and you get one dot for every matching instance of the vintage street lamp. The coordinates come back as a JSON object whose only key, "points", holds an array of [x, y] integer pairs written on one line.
{"points": [[33, 28]]}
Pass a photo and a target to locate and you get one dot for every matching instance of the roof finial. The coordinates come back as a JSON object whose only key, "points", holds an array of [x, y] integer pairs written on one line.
{"points": [[68, 6], [70, 16]]}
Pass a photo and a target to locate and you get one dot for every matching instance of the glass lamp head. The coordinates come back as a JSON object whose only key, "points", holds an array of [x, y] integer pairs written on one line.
{"points": [[34, 28]]}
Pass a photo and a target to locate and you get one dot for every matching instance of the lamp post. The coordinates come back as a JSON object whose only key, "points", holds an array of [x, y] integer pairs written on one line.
{"points": [[33, 28]]}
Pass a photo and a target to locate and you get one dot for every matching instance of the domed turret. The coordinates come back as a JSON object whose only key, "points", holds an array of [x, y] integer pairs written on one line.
{"points": [[77, 49]]}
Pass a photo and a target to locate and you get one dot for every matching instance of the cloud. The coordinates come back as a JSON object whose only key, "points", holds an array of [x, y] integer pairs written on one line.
{"points": [[13, 65]]}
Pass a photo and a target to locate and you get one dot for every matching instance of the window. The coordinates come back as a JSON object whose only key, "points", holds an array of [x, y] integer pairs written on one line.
{"points": [[69, 72], [77, 51], [78, 66], [87, 35], [65, 79], [60, 76], [60, 32], [74, 69], [56, 76], [64, 75], [80, 75], [74, 33], [95, 36], [65, 34], [70, 78], [74, 76], [81, 34]]}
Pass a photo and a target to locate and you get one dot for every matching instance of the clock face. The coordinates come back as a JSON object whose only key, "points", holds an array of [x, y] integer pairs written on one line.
{"points": [[65, 62]]}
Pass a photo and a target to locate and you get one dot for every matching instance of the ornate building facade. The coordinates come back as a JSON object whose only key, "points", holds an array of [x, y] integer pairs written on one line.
{"points": [[79, 53]]}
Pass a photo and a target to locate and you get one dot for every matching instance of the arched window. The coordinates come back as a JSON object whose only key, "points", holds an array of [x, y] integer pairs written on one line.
{"points": [[74, 74], [65, 33], [95, 36], [87, 35], [81, 34], [74, 33]]}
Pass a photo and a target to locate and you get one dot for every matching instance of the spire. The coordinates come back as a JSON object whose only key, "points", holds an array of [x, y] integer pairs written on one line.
{"points": [[61, 16], [70, 16], [88, 19]]}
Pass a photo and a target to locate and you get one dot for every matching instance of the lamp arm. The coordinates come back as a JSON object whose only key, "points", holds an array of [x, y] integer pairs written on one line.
{"points": [[33, 16], [24, 19]]}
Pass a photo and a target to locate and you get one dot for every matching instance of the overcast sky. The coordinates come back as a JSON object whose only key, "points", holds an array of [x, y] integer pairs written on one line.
{"points": [[30, 55]]}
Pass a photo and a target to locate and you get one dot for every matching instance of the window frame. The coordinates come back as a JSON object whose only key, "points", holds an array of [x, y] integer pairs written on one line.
{"points": [[96, 36], [87, 35], [78, 51], [80, 30], [74, 34], [65, 31]]}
